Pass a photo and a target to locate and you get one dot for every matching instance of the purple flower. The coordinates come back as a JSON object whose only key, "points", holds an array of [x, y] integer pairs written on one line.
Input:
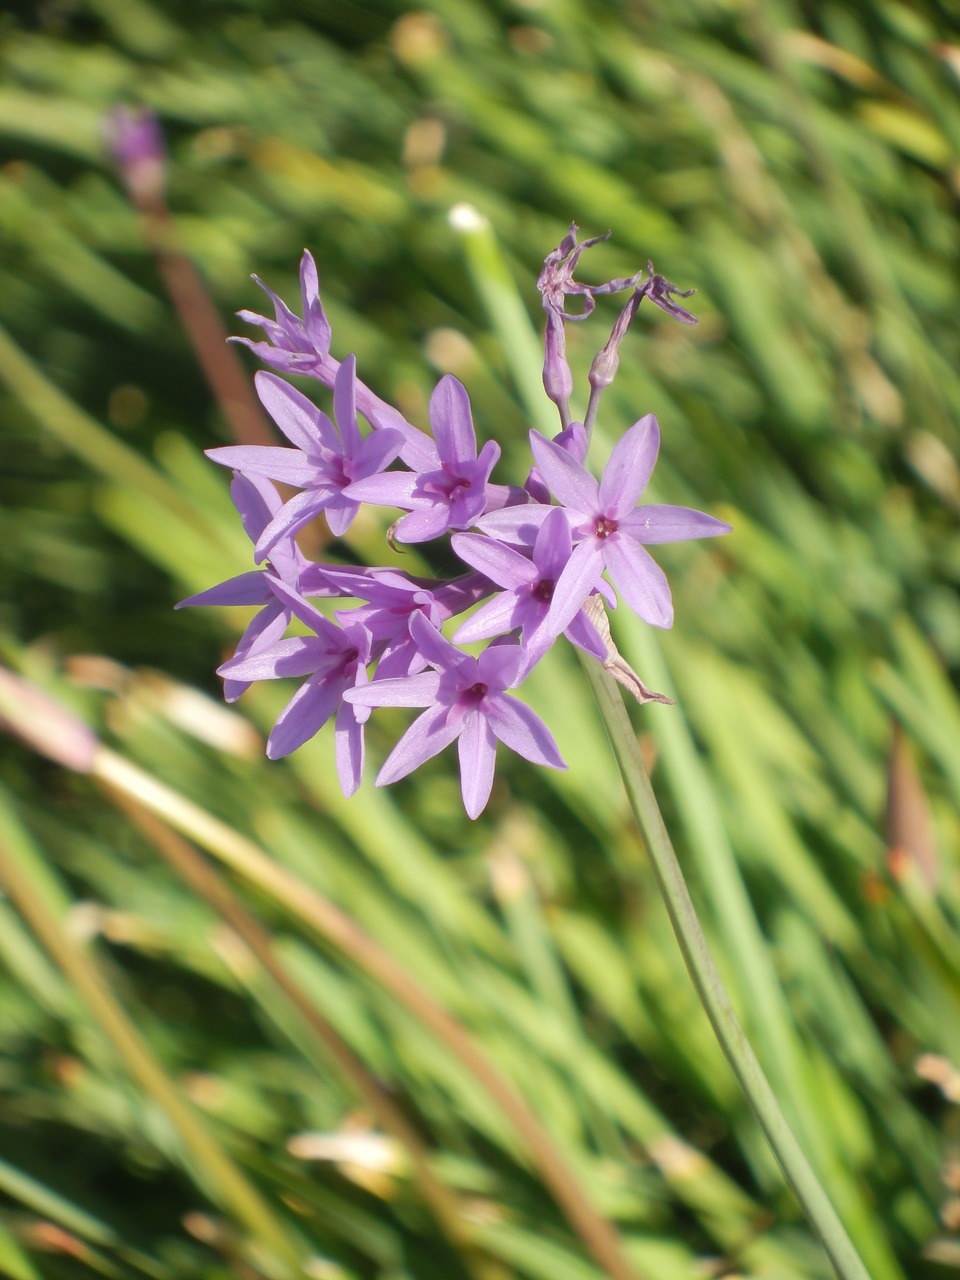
{"points": [[328, 458], [465, 699], [258, 503], [136, 143], [449, 490], [609, 528], [334, 660], [298, 345], [294, 344], [528, 587], [392, 598]]}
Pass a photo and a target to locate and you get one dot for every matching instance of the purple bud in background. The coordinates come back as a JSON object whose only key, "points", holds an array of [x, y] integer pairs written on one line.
{"points": [[135, 140]]}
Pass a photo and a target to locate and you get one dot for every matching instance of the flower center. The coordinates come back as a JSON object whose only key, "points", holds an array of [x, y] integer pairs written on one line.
{"points": [[445, 484], [543, 591], [604, 527]]}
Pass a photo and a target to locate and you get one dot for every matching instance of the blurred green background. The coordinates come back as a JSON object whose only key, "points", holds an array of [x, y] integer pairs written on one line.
{"points": [[800, 165]]}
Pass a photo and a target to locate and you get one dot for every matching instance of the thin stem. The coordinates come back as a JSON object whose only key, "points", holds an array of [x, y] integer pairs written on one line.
{"points": [[328, 921], [693, 945]]}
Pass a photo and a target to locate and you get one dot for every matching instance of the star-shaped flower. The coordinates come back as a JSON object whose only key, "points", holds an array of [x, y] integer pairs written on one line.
{"points": [[392, 598], [528, 586], [610, 530], [333, 659], [448, 488], [466, 699], [328, 457], [258, 503]]}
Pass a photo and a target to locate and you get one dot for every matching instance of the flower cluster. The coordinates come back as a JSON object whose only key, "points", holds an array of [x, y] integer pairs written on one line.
{"points": [[538, 559]]}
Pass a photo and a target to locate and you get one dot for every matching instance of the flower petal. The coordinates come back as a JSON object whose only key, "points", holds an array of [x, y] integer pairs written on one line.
{"points": [[452, 422], [629, 468], [304, 715], [478, 757], [495, 618], [292, 466], [423, 525], [245, 588], [292, 516], [400, 691], [296, 656], [501, 564], [655, 523], [517, 525], [578, 579], [426, 737], [298, 418], [523, 731], [568, 481], [641, 582], [388, 489], [345, 406], [348, 746]]}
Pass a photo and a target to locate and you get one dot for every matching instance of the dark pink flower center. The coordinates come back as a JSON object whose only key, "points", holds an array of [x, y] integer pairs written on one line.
{"points": [[543, 591], [445, 484], [604, 527]]}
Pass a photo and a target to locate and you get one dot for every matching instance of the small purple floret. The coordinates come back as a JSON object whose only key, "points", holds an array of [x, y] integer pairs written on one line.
{"points": [[466, 700]]}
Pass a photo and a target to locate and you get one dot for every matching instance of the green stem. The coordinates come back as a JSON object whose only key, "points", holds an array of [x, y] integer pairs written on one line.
{"points": [[693, 945]]}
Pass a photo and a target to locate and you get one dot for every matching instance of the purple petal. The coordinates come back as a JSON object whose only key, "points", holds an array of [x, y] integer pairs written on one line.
{"points": [[296, 656], [517, 525], [345, 406], [451, 421], [297, 417], [340, 513], [478, 755], [402, 691], [332, 635], [377, 451], [568, 481], [629, 468], [501, 564], [524, 732], [641, 582], [499, 665], [655, 523], [315, 323], [348, 746], [497, 616], [389, 489], [585, 635], [257, 502], [264, 630], [307, 712], [288, 465], [292, 516], [554, 545], [428, 735], [245, 588], [437, 650], [423, 525], [578, 579]]}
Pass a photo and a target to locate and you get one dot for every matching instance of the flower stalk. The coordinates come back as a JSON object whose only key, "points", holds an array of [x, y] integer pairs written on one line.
{"points": [[703, 972]]}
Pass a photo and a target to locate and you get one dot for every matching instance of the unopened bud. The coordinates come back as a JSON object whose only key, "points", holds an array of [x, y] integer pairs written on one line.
{"points": [[135, 141]]}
